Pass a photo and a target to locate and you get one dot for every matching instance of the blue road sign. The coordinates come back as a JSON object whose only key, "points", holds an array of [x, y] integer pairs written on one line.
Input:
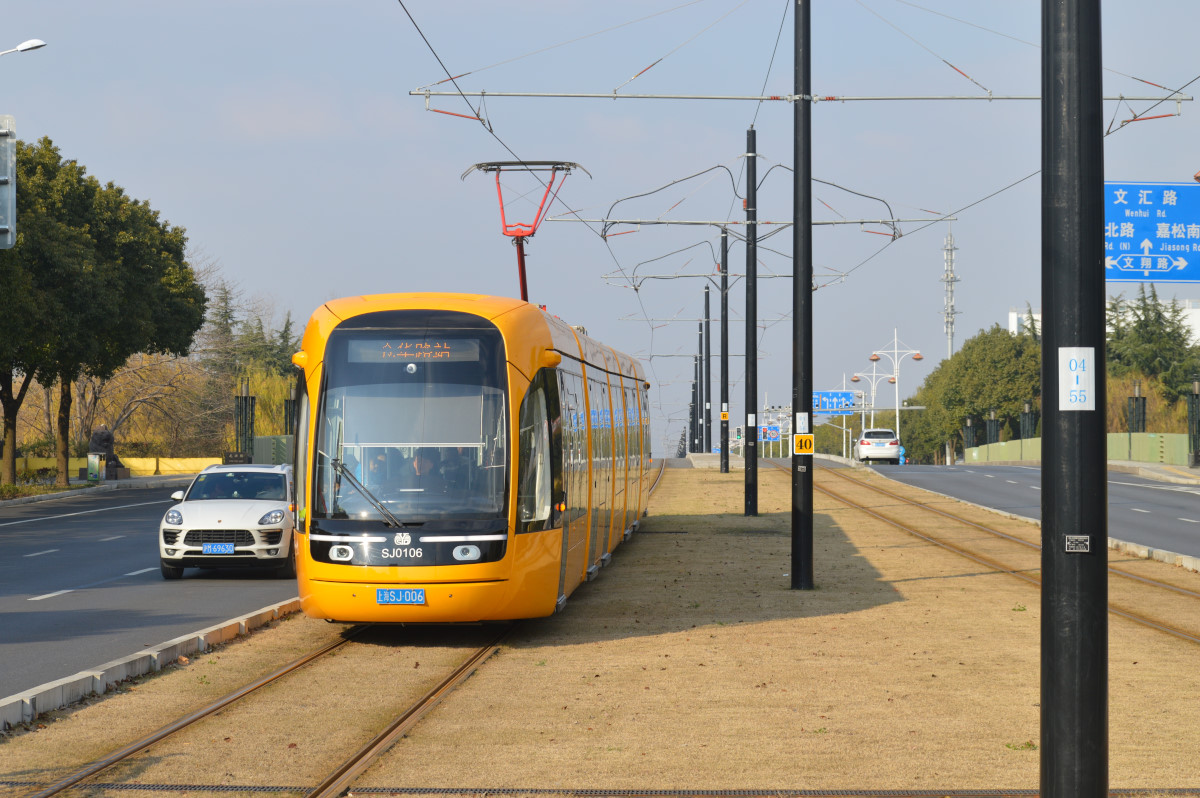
{"points": [[833, 403], [1152, 232], [766, 433]]}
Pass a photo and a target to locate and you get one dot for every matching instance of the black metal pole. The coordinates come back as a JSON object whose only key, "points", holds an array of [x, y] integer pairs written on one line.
{"points": [[694, 414], [707, 375], [1074, 626], [701, 398], [519, 243], [724, 350], [750, 444], [802, 301]]}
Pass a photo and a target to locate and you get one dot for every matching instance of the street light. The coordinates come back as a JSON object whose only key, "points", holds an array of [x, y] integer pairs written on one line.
{"points": [[874, 378], [896, 354], [30, 44]]}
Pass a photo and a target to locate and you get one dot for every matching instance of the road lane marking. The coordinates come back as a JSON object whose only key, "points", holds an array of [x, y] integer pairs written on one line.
{"points": [[1012, 482], [82, 512], [92, 584], [51, 595], [114, 537], [1138, 510], [1188, 520], [40, 553]]}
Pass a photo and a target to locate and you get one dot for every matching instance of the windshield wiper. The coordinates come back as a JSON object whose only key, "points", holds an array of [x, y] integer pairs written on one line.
{"points": [[342, 471]]}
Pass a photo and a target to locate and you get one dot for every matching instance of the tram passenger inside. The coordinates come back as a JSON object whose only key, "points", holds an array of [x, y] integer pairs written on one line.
{"points": [[423, 473], [458, 467], [385, 469]]}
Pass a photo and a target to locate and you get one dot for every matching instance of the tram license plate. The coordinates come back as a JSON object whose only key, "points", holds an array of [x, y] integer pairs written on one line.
{"points": [[396, 595], [218, 548]]}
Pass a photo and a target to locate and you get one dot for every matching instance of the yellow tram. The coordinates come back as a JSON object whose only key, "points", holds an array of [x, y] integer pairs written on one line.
{"points": [[460, 458]]}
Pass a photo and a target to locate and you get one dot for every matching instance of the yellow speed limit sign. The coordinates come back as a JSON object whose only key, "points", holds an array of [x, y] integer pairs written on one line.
{"points": [[802, 444]]}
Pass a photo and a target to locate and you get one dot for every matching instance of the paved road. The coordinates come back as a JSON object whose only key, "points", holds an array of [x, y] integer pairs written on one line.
{"points": [[80, 586], [1157, 514]]}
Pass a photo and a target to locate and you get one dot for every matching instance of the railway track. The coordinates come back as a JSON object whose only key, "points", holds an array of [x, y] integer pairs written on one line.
{"points": [[1147, 593], [202, 737], [299, 678]]}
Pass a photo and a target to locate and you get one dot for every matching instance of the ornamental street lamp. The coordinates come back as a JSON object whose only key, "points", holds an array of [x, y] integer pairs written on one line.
{"points": [[874, 378], [896, 354]]}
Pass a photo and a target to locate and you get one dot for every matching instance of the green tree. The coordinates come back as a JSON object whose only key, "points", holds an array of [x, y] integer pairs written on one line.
{"points": [[1149, 337], [111, 275], [994, 370]]}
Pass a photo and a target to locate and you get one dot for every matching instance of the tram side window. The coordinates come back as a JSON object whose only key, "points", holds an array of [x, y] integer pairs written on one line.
{"points": [[533, 488]]}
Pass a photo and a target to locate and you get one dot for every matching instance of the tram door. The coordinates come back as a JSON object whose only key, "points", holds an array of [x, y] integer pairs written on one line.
{"points": [[601, 467], [575, 472], [617, 526]]}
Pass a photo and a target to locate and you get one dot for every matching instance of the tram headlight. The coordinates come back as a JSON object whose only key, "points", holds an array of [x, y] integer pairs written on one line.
{"points": [[465, 553], [341, 553]]}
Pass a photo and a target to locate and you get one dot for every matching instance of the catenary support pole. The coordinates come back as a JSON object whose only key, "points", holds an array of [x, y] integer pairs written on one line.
{"points": [[724, 350], [802, 305], [1074, 625], [750, 442], [707, 375], [701, 377]]}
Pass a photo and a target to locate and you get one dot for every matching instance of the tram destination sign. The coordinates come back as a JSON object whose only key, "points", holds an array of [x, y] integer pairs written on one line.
{"points": [[1152, 232]]}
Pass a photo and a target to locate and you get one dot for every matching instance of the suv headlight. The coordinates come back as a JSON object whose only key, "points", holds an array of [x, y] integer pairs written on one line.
{"points": [[173, 517], [273, 517]]}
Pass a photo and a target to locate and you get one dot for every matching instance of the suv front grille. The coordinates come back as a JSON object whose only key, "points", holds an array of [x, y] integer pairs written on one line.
{"points": [[272, 537], [170, 536], [238, 537]]}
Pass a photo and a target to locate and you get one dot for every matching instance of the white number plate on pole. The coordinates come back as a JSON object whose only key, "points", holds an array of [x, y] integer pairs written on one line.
{"points": [[1076, 378]]}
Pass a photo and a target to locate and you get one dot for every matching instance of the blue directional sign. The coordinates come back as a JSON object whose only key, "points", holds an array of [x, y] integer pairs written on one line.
{"points": [[1152, 232], [834, 403]]}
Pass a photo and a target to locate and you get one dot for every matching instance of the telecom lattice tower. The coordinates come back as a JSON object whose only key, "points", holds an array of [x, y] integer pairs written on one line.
{"points": [[949, 278]]}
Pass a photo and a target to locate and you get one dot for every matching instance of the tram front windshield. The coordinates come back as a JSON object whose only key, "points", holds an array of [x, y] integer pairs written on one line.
{"points": [[417, 417]]}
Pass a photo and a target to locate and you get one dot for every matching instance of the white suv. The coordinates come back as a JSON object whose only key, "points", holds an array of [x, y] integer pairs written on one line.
{"points": [[231, 516], [878, 444]]}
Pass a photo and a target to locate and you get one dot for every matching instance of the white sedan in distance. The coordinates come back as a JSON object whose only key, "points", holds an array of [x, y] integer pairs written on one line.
{"points": [[878, 444], [231, 516]]}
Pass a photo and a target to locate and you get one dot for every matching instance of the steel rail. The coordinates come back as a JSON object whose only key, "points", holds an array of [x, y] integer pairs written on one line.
{"points": [[171, 728], [338, 781], [1036, 546], [1018, 573]]}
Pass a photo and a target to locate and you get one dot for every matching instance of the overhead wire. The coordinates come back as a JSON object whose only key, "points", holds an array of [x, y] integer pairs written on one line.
{"points": [[564, 43], [1017, 39], [680, 46], [920, 44]]}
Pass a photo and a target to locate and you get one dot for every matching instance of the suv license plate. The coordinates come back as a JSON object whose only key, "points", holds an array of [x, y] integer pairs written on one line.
{"points": [[408, 595], [218, 548]]}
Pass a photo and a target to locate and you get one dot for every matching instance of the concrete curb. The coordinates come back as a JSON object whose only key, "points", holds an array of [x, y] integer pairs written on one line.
{"points": [[136, 482], [27, 706]]}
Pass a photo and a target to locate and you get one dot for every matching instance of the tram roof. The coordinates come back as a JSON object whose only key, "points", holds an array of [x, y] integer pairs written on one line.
{"points": [[520, 314]]}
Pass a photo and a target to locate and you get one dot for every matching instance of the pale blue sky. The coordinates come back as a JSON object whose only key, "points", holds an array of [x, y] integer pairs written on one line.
{"points": [[281, 134]]}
